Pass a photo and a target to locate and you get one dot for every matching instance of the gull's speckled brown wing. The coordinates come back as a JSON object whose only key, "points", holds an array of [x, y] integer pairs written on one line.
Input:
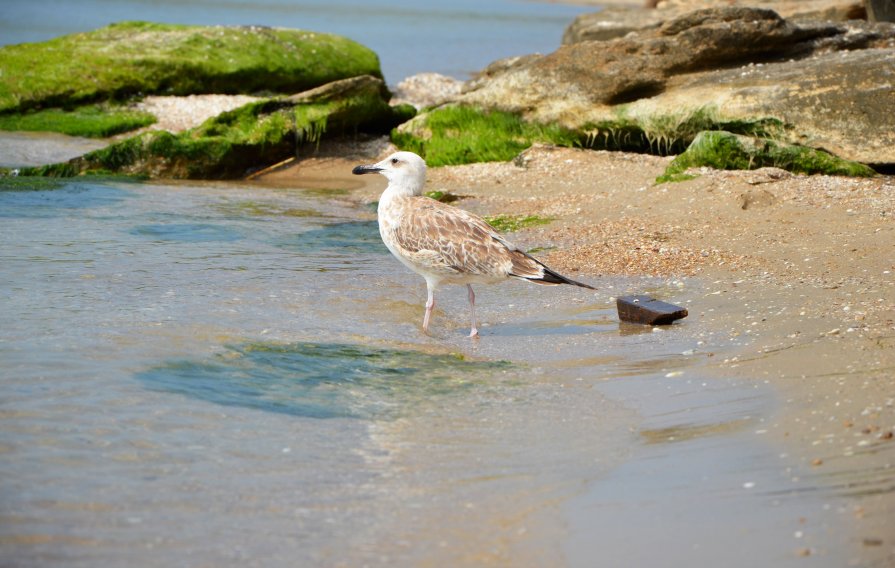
{"points": [[454, 242]]}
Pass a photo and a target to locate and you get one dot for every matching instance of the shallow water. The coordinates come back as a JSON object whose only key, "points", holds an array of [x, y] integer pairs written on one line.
{"points": [[231, 375], [19, 149]]}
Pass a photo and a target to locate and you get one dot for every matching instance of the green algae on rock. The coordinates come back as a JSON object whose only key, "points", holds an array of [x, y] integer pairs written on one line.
{"points": [[460, 134], [89, 121], [248, 138], [727, 151], [139, 58], [828, 85], [669, 132], [463, 134]]}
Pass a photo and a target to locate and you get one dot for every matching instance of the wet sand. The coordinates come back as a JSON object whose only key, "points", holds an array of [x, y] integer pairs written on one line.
{"points": [[795, 271]]}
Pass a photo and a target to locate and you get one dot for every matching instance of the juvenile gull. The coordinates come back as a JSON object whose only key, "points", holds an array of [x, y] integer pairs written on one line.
{"points": [[444, 244]]}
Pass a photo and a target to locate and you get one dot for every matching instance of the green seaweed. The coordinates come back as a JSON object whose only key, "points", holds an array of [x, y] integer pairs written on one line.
{"points": [[667, 134], [512, 223], [250, 137], [727, 151], [800, 159], [138, 58], [91, 121], [9, 182], [28, 183], [464, 134]]}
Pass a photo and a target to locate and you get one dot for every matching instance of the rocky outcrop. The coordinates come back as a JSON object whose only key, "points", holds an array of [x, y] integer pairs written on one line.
{"points": [[880, 10], [131, 58], [426, 90], [627, 69], [822, 84], [610, 23], [841, 102], [251, 137], [726, 151], [618, 21]]}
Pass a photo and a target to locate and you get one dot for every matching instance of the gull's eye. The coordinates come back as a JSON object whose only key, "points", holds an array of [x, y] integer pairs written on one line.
{"points": [[394, 160]]}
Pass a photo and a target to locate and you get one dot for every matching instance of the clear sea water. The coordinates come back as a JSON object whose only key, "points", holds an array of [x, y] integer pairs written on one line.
{"points": [[234, 375], [454, 38]]}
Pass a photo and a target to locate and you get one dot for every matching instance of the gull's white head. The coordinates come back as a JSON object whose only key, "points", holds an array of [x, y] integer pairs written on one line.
{"points": [[405, 172]]}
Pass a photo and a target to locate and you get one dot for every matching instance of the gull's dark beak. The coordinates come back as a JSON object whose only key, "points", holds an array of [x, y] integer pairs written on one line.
{"points": [[360, 170]]}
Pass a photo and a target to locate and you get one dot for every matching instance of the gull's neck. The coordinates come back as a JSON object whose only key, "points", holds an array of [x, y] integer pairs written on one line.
{"points": [[403, 188]]}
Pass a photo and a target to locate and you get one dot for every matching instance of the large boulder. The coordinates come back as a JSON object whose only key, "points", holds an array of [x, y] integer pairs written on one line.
{"points": [[880, 10], [841, 102], [426, 90], [822, 84], [249, 138], [618, 21], [140, 58], [726, 151]]}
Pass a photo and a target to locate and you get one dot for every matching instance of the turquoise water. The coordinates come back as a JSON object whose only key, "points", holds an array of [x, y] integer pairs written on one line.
{"points": [[454, 38], [320, 380], [232, 375]]}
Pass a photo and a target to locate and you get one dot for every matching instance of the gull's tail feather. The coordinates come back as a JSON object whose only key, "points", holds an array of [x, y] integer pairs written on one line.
{"points": [[529, 268], [550, 277]]}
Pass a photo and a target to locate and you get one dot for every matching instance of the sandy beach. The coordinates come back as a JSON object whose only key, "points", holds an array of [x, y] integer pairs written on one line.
{"points": [[796, 270]]}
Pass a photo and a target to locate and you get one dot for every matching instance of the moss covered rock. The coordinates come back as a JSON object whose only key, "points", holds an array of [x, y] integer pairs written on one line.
{"points": [[827, 85], [728, 151], [460, 134], [90, 121], [140, 58], [249, 138]]}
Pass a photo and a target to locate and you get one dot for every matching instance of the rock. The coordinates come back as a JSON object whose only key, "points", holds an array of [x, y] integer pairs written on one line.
{"points": [[610, 23], [140, 58], [426, 90], [626, 69], [756, 199], [798, 9], [497, 68], [648, 310], [880, 10], [745, 70], [248, 138], [840, 102], [618, 21], [726, 151]]}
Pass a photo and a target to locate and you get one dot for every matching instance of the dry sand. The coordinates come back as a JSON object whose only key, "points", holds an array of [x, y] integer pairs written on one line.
{"points": [[799, 270]]}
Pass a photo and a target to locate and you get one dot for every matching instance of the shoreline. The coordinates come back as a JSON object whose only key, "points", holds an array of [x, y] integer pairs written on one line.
{"points": [[798, 275]]}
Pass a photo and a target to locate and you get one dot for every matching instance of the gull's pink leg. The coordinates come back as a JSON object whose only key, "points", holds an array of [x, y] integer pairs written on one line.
{"points": [[430, 304], [473, 332]]}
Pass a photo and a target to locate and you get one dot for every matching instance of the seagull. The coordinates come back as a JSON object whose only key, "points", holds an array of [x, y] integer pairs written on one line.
{"points": [[445, 244]]}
